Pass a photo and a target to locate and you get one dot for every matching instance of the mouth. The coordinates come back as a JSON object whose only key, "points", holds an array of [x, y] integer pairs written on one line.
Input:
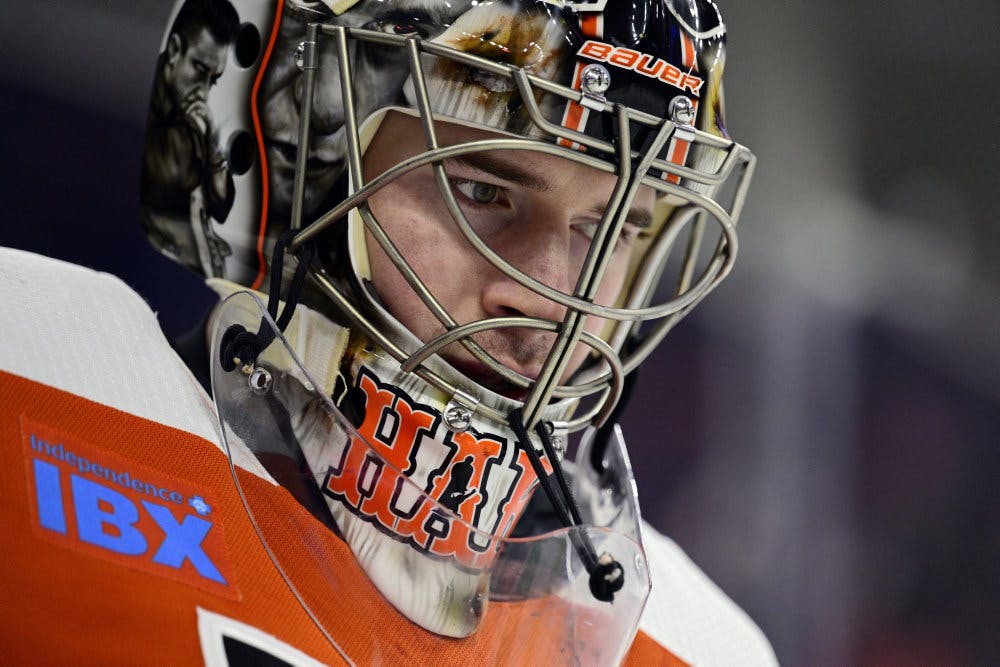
{"points": [[487, 378], [286, 153]]}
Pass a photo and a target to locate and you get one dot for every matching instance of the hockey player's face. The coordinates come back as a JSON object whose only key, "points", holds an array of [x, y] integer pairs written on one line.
{"points": [[378, 76], [537, 211]]}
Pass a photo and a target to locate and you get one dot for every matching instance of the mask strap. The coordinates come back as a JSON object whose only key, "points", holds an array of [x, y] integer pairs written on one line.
{"points": [[239, 346], [606, 574]]}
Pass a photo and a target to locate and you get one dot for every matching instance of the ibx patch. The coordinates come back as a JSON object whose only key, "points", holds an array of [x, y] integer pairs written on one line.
{"points": [[96, 502]]}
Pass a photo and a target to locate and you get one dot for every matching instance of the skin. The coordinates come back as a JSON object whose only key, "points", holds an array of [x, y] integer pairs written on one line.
{"points": [[537, 211]]}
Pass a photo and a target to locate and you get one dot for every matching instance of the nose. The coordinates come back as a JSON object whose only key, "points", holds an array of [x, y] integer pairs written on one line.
{"points": [[202, 88], [542, 255], [327, 108]]}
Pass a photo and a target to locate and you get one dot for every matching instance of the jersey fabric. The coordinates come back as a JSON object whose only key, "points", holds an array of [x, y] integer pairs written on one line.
{"points": [[127, 541]]}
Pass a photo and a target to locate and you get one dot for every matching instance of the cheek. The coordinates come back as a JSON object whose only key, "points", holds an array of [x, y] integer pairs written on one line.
{"points": [[614, 278], [377, 83], [184, 76], [279, 111], [425, 244], [280, 71], [607, 295]]}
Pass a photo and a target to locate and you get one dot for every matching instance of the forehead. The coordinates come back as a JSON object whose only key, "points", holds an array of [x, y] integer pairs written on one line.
{"points": [[203, 46]]}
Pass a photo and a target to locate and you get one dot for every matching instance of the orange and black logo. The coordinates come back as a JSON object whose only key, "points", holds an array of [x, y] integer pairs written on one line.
{"points": [[449, 494]]}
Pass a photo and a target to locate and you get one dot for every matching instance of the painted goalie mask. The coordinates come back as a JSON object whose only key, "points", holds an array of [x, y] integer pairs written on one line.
{"points": [[489, 213]]}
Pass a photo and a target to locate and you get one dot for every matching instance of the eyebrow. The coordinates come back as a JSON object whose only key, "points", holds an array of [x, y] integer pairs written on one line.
{"points": [[513, 173], [637, 217], [504, 169]]}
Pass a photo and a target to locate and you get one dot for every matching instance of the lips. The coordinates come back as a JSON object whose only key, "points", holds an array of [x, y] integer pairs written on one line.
{"points": [[487, 378], [286, 153]]}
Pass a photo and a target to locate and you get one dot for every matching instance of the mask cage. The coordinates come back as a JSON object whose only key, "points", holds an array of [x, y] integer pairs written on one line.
{"points": [[728, 174]]}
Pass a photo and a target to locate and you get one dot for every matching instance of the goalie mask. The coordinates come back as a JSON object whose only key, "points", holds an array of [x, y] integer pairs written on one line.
{"points": [[494, 211]]}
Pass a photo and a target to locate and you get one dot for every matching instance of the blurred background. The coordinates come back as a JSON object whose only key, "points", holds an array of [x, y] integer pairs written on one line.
{"points": [[823, 435]]}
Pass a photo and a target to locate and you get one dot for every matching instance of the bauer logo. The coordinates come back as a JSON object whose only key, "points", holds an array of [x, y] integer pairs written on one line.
{"points": [[92, 500], [641, 63]]}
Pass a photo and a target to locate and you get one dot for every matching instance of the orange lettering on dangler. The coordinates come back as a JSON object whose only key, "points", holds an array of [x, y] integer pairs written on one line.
{"points": [[446, 493]]}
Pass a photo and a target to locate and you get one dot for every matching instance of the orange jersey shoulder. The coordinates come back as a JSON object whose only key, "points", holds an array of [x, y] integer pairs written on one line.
{"points": [[127, 542], [111, 548]]}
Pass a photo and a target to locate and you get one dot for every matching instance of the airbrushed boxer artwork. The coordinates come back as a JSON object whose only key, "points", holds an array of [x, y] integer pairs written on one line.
{"points": [[218, 167]]}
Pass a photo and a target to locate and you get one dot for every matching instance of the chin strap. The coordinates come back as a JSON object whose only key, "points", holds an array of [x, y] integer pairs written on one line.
{"points": [[606, 574], [239, 346]]}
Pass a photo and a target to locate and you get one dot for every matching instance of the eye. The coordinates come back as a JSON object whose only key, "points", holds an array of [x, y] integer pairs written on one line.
{"points": [[400, 28], [479, 193], [629, 234], [625, 239]]}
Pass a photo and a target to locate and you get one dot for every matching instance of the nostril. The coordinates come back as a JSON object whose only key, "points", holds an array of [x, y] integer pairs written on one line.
{"points": [[508, 311], [324, 122], [507, 298], [327, 113]]}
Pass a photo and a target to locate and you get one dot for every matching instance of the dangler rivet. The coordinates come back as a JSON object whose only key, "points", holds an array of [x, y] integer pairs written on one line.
{"points": [[300, 55], [458, 412], [595, 79], [457, 418], [681, 110], [260, 380]]}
